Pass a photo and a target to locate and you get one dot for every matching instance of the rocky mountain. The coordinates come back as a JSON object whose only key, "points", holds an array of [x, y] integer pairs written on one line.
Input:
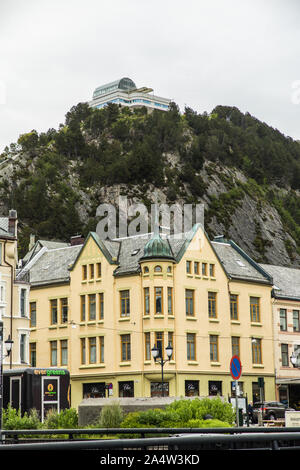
{"points": [[246, 174]]}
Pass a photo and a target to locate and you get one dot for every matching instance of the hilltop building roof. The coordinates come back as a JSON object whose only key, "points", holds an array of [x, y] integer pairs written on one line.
{"points": [[125, 93]]}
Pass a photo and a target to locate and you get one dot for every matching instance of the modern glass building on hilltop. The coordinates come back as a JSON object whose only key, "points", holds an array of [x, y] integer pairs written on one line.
{"points": [[125, 93]]}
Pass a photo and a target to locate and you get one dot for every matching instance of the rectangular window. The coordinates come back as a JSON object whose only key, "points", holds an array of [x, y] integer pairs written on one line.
{"points": [[53, 353], [92, 271], [125, 348], [188, 267], [32, 312], [101, 306], [83, 350], [214, 348], [170, 301], [212, 270], [296, 323], [171, 341], [64, 352], [159, 342], [147, 347], [23, 302], [53, 308], [92, 350], [235, 343], [158, 300], [234, 307], [84, 272], [146, 301], [196, 267], [101, 344], [82, 308], [283, 319], [191, 346], [23, 349], [32, 354], [99, 270], [256, 351], [212, 305], [92, 307], [254, 309], [285, 355], [125, 303], [204, 269], [189, 303], [64, 310]]}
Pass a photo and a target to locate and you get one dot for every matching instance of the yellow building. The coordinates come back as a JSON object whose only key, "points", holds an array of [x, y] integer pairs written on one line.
{"points": [[99, 308], [14, 296]]}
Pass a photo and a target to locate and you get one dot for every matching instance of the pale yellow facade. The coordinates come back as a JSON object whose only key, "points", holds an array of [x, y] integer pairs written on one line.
{"points": [[108, 344], [14, 299]]}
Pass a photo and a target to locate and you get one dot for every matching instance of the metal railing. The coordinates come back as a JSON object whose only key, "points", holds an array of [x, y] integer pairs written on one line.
{"points": [[164, 439]]}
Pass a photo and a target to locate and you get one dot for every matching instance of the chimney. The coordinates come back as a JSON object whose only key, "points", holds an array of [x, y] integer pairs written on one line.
{"points": [[77, 240], [12, 222], [31, 241]]}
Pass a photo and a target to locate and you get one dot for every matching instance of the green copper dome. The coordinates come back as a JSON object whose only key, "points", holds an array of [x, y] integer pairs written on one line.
{"points": [[156, 247]]}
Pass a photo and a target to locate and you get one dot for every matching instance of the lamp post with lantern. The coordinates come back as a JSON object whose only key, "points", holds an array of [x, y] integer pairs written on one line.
{"points": [[157, 356]]}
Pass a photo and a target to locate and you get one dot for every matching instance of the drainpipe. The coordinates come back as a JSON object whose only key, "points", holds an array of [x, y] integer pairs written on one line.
{"points": [[11, 297]]}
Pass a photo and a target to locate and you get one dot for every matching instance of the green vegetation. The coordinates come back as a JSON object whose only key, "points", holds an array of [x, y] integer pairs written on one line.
{"points": [[195, 413], [59, 170], [184, 414]]}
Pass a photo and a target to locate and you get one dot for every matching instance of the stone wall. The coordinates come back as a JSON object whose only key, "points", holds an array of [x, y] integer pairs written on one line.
{"points": [[89, 409]]}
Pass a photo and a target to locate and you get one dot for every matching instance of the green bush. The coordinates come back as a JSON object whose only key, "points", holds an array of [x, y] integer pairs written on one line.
{"points": [[65, 419], [111, 416], [12, 419], [184, 413]]}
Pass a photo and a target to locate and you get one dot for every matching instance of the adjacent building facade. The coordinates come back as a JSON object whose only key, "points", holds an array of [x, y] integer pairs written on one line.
{"points": [[98, 308], [125, 93], [286, 317], [14, 296]]}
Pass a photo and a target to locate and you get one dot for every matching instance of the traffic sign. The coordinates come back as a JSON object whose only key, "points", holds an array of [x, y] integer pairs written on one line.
{"points": [[235, 367]]}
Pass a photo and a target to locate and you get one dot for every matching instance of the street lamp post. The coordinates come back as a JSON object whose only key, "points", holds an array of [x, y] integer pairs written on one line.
{"points": [[8, 345], [157, 356]]}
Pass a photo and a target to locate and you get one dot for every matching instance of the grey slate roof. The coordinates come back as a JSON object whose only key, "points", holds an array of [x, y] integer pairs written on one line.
{"points": [[286, 281], [4, 226], [237, 264], [51, 266], [43, 243]]}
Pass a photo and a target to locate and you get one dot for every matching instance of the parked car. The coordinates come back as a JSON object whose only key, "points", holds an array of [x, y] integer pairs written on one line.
{"points": [[271, 410]]}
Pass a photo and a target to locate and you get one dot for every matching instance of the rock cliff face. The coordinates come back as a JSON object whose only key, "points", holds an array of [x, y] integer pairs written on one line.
{"points": [[57, 180]]}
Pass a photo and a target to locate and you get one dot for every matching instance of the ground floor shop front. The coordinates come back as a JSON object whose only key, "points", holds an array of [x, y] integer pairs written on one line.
{"points": [[174, 385], [288, 392]]}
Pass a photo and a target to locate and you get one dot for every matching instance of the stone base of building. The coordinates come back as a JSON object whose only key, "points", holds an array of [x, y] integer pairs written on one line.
{"points": [[89, 409]]}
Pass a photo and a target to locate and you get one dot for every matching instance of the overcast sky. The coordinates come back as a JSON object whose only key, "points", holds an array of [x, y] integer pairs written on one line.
{"points": [[199, 53]]}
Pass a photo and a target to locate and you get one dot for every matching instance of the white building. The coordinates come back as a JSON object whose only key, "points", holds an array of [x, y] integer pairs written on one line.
{"points": [[125, 93]]}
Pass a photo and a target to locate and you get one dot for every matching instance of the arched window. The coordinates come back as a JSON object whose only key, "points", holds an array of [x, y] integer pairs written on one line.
{"points": [[157, 269], [169, 269], [146, 269]]}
